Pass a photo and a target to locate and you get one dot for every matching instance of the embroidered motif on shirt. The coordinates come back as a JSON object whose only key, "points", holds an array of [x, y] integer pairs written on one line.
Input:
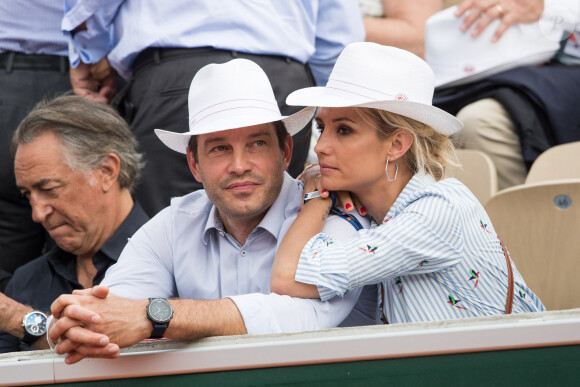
{"points": [[423, 262], [370, 249], [524, 296], [484, 226], [400, 283], [474, 275], [453, 301]]}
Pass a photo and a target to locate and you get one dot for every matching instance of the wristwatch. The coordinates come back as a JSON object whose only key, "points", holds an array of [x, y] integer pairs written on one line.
{"points": [[34, 324], [160, 312]]}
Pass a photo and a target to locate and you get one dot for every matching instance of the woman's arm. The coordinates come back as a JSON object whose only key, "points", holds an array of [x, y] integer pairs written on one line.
{"points": [[403, 25], [308, 223]]}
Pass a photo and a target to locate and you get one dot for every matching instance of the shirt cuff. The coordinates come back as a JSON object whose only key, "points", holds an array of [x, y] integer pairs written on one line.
{"points": [[48, 323], [316, 267], [256, 314]]}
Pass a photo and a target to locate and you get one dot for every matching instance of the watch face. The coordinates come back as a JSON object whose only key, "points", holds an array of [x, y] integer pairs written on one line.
{"points": [[35, 323], [160, 310]]}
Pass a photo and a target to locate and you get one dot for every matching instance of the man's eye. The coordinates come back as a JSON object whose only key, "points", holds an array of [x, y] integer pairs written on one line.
{"points": [[219, 148], [260, 143]]}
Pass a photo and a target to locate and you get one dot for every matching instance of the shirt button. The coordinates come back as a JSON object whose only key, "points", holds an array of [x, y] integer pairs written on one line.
{"points": [[243, 252], [222, 233]]}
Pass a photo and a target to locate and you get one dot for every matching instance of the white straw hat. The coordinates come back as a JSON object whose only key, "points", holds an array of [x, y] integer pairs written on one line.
{"points": [[231, 95], [381, 77], [457, 58]]}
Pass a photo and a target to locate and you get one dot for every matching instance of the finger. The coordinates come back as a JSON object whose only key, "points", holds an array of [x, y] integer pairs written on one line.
{"points": [[462, 7], [345, 199], [506, 22], [100, 291], [80, 335], [308, 171], [81, 314], [62, 302], [486, 18], [82, 292], [75, 356], [476, 12], [359, 206], [60, 328]]}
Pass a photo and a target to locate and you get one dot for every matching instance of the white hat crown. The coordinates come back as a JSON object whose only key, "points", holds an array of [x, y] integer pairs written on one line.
{"points": [[381, 77]]}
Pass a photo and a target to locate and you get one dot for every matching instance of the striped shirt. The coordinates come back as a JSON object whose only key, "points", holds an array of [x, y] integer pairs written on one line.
{"points": [[435, 253]]}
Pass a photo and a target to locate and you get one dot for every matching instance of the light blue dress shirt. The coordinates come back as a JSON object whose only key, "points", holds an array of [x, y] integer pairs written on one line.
{"points": [[185, 252], [435, 253], [32, 27], [313, 31]]}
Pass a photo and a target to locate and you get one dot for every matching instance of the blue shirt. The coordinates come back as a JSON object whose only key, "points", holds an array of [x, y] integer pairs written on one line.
{"points": [[313, 31], [32, 27], [185, 252], [435, 253]]}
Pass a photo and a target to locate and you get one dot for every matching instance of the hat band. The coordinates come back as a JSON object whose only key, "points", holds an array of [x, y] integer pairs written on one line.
{"points": [[357, 89], [222, 107]]}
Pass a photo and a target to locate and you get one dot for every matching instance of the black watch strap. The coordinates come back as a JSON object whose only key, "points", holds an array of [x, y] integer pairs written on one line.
{"points": [[158, 330], [29, 339]]}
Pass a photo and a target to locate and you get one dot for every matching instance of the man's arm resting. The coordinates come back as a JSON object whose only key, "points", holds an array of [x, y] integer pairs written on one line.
{"points": [[11, 315]]}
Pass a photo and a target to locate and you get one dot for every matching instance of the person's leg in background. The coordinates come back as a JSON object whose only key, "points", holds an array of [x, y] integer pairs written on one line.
{"points": [[487, 127]]}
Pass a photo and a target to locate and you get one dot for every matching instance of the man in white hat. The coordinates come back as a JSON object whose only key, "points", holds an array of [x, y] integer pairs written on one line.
{"points": [[214, 248]]}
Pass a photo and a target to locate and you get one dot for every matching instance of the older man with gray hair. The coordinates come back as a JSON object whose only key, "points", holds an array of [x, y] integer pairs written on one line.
{"points": [[76, 161]]}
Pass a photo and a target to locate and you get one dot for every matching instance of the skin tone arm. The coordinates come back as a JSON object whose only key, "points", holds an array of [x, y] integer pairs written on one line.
{"points": [[480, 13], [308, 223], [90, 321], [404, 24], [11, 314]]}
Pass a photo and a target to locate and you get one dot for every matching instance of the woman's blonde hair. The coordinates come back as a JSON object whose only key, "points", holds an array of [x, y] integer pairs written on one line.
{"points": [[430, 152]]}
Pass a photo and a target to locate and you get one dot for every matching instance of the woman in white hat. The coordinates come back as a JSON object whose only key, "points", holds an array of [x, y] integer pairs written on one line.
{"points": [[431, 246]]}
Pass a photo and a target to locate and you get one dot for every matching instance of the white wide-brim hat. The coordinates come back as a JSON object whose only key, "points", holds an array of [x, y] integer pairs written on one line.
{"points": [[228, 96], [457, 58], [381, 77]]}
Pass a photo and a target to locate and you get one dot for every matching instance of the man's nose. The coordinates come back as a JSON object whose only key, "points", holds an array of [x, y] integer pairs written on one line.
{"points": [[240, 163], [40, 208]]}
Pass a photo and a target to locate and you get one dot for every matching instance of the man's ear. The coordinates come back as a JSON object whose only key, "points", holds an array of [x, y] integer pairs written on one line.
{"points": [[287, 151], [109, 171], [193, 165], [401, 141]]}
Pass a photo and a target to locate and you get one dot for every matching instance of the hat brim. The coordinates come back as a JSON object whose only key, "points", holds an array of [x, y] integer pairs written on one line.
{"points": [[179, 141], [438, 119]]}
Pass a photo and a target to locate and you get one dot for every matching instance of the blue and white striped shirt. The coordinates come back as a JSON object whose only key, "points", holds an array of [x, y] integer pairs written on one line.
{"points": [[436, 254]]}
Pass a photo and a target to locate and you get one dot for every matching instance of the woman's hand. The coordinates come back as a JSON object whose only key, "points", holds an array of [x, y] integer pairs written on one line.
{"points": [[483, 12], [342, 198]]}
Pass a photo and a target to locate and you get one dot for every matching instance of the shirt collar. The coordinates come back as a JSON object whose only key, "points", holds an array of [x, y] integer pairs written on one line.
{"points": [[286, 204], [116, 243], [408, 194]]}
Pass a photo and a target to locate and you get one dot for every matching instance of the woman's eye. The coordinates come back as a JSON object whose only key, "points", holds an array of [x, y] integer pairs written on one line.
{"points": [[344, 130], [320, 128]]}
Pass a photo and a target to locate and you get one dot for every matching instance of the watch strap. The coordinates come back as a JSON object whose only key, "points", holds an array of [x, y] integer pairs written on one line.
{"points": [[29, 339]]}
